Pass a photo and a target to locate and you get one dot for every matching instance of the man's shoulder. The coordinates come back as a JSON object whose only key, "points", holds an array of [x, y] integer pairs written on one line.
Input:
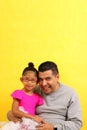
{"points": [[67, 88], [38, 90]]}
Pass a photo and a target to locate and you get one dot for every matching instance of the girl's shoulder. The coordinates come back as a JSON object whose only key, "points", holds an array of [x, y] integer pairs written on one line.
{"points": [[17, 93], [39, 99], [37, 95]]}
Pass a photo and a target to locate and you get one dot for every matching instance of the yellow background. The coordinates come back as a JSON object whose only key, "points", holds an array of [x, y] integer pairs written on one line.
{"points": [[40, 30]]}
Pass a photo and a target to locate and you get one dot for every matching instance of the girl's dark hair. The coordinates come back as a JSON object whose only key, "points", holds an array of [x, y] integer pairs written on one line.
{"points": [[30, 68]]}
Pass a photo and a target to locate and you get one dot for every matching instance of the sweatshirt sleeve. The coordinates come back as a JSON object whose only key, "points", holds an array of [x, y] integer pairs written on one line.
{"points": [[74, 115]]}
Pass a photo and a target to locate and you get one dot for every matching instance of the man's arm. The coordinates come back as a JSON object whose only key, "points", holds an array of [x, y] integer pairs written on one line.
{"points": [[74, 115], [73, 120]]}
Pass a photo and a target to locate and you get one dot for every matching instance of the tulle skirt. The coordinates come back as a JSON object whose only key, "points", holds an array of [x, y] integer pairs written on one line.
{"points": [[26, 124]]}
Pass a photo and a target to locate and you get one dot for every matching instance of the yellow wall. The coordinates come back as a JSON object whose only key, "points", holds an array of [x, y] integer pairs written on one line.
{"points": [[36, 30]]}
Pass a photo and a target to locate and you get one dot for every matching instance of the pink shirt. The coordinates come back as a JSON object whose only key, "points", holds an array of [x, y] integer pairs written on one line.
{"points": [[28, 102]]}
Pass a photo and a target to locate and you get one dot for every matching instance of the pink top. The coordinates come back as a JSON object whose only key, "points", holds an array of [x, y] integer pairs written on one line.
{"points": [[27, 102]]}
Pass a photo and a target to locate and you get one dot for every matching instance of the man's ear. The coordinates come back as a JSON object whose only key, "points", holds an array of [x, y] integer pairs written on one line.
{"points": [[57, 76]]}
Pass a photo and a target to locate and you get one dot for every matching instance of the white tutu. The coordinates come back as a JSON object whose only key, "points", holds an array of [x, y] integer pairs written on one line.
{"points": [[11, 126], [26, 124]]}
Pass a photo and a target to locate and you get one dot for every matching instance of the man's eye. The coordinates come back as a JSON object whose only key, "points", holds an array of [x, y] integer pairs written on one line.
{"points": [[48, 78]]}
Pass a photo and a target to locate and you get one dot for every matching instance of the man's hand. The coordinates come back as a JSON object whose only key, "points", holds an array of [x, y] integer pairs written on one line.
{"points": [[45, 126]]}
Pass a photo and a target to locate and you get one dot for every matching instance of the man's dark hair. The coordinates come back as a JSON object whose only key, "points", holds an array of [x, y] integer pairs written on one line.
{"points": [[48, 65]]}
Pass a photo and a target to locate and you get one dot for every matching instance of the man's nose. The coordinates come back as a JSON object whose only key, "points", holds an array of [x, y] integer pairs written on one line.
{"points": [[44, 82]]}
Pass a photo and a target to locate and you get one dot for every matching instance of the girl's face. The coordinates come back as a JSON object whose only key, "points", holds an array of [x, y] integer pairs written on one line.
{"points": [[29, 81]]}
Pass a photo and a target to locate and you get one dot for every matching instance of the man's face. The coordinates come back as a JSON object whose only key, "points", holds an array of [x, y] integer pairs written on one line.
{"points": [[48, 81]]}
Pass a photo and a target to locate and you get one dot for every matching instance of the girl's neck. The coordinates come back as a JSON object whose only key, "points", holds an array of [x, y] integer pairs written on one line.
{"points": [[28, 92]]}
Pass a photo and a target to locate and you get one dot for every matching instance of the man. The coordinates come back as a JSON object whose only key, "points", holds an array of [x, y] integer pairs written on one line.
{"points": [[61, 108]]}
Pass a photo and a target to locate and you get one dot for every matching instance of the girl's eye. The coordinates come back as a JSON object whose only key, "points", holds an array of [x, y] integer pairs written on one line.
{"points": [[27, 80]]}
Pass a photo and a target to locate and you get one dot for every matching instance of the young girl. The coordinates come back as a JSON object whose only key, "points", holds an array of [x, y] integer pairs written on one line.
{"points": [[25, 101]]}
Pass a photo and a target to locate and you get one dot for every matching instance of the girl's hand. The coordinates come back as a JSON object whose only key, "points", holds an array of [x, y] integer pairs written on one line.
{"points": [[38, 119], [11, 117], [45, 126]]}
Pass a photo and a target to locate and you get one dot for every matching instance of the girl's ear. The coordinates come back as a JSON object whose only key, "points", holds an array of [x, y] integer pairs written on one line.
{"points": [[21, 79]]}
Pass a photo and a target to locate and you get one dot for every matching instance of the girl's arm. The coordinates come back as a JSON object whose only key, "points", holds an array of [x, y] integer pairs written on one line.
{"points": [[18, 113]]}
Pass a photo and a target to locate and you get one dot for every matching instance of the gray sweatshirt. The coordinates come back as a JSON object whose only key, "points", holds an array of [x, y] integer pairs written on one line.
{"points": [[62, 109]]}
